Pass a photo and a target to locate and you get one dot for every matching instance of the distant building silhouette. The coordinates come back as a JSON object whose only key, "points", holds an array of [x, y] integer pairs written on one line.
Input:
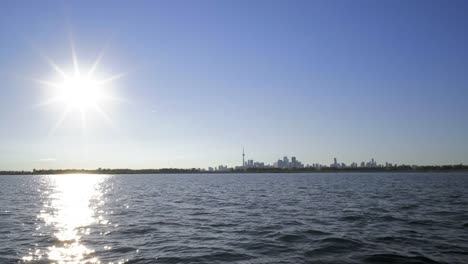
{"points": [[243, 158]]}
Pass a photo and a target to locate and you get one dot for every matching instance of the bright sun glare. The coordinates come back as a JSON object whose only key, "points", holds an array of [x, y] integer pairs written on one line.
{"points": [[79, 91]]}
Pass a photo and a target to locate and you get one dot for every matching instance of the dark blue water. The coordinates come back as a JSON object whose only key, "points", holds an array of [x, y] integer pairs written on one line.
{"points": [[235, 218]]}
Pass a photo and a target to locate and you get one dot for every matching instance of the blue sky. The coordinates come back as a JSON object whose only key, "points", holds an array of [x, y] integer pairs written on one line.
{"points": [[315, 79]]}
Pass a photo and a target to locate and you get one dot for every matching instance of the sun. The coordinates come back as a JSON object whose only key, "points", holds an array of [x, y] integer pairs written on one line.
{"points": [[80, 90]]}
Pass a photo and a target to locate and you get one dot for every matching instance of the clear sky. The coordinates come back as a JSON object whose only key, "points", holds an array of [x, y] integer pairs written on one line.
{"points": [[314, 79]]}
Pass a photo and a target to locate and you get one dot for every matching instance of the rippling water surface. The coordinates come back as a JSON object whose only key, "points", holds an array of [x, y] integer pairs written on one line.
{"points": [[235, 218]]}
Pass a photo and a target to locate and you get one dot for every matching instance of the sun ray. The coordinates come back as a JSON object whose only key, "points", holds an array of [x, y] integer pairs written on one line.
{"points": [[49, 101], [96, 62], [60, 120], [104, 115], [49, 61], [47, 83], [54, 66], [74, 57], [109, 97], [38, 81], [112, 78]]}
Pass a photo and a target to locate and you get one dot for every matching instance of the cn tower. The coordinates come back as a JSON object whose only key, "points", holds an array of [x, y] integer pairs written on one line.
{"points": [[243, 158]]}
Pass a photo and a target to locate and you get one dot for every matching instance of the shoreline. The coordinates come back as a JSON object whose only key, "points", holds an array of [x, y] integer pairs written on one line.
{"points": [[406, 169]]}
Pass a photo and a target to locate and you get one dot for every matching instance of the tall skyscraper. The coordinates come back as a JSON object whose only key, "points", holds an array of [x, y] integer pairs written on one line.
{"points": [[294, 162], [243, 158]]}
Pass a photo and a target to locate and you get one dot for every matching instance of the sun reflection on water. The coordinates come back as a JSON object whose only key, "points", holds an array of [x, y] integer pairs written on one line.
{"points": [[71, 209]]}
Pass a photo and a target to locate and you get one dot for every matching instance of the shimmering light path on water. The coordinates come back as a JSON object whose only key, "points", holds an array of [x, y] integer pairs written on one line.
{"points": [[72, 207], [235, 218]]}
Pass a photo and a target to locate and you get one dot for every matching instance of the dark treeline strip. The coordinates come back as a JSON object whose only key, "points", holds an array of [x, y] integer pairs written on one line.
{"points": [[401, 168]]}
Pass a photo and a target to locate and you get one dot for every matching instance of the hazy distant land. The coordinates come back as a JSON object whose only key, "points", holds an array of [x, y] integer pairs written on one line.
{"points": [[401, 168]]}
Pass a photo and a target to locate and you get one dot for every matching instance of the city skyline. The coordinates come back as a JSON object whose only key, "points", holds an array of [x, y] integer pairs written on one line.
{"points": [[193, 81], [294, 163]]}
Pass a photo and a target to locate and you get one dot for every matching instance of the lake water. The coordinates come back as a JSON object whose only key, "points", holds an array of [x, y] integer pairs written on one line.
{"points": [[235, 218]]}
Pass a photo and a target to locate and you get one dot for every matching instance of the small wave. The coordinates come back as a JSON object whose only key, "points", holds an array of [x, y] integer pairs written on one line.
{"points": [[390, 218], [334, 245], [9, 260], [388, 239], [394, 258], [263, 247], [288, 238], [316, 232], [341, 241], [221, 256], [352, 218], [409, 206], [455, 252], [223, 225], [400, 240], [138, 230], [422, 222], [123, 249], [445, 213], [209, 258], [292, 223], [164, 260], [144, 261], [326, 250], [197, 213]]}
